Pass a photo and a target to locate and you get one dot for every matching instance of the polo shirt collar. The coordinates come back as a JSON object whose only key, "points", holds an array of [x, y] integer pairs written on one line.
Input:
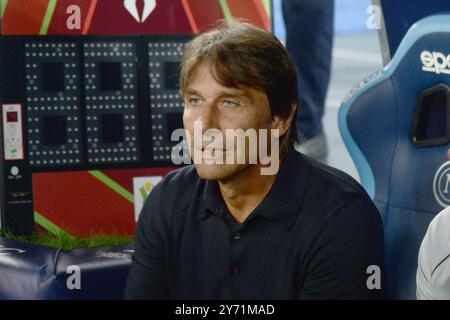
{"points": [[283, 202]]}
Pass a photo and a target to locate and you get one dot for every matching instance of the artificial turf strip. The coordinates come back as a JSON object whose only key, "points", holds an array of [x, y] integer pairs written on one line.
{"points": [[67, 242]]}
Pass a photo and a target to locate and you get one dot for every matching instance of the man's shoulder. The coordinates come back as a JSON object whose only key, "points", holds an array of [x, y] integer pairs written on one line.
{"points": [[173, 194], [336, 206], [330, 189], [328, 180], [180, 178], [180, 185]]}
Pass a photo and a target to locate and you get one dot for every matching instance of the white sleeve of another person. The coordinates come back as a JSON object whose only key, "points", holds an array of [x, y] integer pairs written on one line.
{"points": [[433, 272]]}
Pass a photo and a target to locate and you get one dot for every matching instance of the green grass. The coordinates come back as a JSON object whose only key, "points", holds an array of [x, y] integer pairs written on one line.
{"points": [[67, 242]]}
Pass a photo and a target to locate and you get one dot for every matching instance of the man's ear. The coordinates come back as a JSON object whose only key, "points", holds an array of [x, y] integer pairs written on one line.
{"points": [[283, 124]]}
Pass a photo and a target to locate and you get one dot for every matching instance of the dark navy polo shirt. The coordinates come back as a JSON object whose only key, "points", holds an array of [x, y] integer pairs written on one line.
{"points": [[314, 236]]}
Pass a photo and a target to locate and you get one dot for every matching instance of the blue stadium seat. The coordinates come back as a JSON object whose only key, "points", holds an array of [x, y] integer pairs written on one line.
{"points": [[35, 272], [396, 126]]}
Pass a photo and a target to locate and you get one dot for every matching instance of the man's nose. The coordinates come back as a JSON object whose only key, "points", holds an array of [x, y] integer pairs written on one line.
{"points": [[209, 117]]}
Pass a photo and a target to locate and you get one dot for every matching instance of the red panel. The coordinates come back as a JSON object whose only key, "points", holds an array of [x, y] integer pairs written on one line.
{"points": [[251, 11], [205, 18], [24, 17], [125, 177], [58, 23], [111, 17], [81, 204], [259, 5]]}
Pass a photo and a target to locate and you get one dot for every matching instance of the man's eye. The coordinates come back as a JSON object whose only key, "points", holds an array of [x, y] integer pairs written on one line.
{"points": [[194, 101], [230, 104]]}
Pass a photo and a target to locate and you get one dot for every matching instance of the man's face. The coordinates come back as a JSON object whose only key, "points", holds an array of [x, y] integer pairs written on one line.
{"points": [[217, 107]]}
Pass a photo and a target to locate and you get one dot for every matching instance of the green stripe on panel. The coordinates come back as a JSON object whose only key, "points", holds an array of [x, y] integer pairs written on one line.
{"points": [[48, 225], [48, 17], [3, 5], [113, 185], [226, 11]]}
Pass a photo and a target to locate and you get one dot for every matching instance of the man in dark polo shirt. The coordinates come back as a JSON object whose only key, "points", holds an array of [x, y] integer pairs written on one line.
{"points": [[227, 231]]}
